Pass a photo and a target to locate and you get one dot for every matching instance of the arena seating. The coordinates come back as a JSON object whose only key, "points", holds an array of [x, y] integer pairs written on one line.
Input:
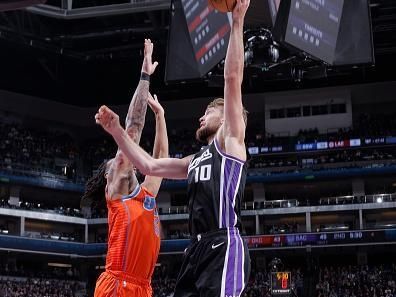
{"points": [[58, 154]]}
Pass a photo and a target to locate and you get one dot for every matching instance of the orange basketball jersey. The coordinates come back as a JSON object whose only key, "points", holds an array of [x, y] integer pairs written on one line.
{"points": [[134, 235]]}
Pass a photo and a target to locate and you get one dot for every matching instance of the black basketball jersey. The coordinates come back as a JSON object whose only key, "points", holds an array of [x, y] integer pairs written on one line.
{"points": [[216, 184]]}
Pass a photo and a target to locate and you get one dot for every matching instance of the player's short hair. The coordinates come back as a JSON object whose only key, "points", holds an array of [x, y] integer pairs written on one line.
{"points": [[220, 102]]}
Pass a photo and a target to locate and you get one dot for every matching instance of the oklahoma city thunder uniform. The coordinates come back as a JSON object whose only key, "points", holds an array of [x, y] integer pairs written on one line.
{"points": [[133, 246], [217, 262]]}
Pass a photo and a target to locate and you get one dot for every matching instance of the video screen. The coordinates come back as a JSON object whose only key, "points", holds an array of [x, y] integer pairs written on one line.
{"points": [[198, 39], [313, 27], [209, 33]]}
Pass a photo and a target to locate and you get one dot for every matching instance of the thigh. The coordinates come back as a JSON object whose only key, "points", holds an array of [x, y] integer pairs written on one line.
{"points": [[185, 286], [185, 281], [225, 269], [209, 272], [106, 286]]}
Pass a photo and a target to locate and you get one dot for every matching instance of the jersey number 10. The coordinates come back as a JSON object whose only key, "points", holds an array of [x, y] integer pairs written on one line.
{"points": [[202, 173]]}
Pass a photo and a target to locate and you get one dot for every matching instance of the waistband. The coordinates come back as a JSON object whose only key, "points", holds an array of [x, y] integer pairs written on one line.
{"points": [[122, 276], [213, 234]]}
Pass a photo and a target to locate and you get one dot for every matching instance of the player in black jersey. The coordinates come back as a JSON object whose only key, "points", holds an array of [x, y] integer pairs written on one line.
{"points": [[217, 261]]}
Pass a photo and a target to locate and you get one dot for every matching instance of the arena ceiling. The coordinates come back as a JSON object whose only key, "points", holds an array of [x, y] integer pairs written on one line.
{"points": [[89, 52]]}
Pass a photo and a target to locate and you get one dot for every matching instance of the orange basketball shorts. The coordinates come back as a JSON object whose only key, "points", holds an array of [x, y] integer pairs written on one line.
{"points": [[110, 285]]}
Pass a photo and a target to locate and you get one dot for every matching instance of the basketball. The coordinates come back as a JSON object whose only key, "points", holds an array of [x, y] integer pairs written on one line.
{"points": [[223, 5]]}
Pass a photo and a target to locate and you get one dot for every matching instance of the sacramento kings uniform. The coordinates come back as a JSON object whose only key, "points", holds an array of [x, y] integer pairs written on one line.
{"points": [[217, 263]]}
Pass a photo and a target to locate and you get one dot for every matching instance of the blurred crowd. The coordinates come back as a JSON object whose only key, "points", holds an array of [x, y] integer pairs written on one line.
{"points": [[36, 151], [36, 206], [342, 281], [177, 234], [357, 281], [324, 281], [259, 284], [350, 158], [64, 236], [38, 287], [364, 125], [26, 150], [20, 281], [11, 269], [163, 287]]}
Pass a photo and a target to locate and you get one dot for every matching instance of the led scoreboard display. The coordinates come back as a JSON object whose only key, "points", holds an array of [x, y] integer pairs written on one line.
{"points": [[209, 32], [314, 25], [280, 283], [198, 39], [321, 238], [335, 31]]}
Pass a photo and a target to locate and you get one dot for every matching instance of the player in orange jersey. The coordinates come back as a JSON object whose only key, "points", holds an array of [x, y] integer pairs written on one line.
{"points": [[133, 239]]}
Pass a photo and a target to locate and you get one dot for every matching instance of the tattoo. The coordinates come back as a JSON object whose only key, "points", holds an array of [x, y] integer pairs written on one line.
{"points": [[135, 119]]}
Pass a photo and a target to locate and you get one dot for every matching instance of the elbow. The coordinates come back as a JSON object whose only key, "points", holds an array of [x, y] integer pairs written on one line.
{"points": [[147, 168]]}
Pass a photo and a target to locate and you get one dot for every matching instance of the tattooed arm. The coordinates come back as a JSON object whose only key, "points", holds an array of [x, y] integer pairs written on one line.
{"points": [[135, 119], [136, 116]]}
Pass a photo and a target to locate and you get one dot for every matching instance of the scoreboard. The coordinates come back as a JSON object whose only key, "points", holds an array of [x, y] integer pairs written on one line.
{"points": [[198, 39], [335, 31], [209, 32], [313, 26], [321, 239], [280, 284]]}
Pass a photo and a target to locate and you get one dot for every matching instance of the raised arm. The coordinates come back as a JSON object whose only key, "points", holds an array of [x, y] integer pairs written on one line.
{"points": [[234, 125], [161, 143], [135, 119], [161, 146], [166, 167]]}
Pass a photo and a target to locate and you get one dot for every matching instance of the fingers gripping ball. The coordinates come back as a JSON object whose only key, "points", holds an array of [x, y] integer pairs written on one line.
{"points": [[223, 5]]}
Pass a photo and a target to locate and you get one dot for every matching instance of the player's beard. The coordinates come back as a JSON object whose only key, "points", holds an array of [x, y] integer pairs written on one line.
{"points": [[203, 133]]}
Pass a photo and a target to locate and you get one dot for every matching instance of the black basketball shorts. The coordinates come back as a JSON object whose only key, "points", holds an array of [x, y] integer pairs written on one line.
{"points": [[216, 264]]}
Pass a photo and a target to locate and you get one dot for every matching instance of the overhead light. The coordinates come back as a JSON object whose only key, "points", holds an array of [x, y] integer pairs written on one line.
{"points": [[389, 225], [100, 267], [62, 265], [379, 200]]}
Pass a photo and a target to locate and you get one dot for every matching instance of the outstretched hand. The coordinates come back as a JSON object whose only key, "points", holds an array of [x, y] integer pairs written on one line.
{"points": [[155, 106], [239, 11], [108, 119], [148, 65]]}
